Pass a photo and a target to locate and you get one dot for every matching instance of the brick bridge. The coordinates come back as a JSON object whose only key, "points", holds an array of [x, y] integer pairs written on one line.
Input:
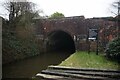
{"points": [[71, 33]]}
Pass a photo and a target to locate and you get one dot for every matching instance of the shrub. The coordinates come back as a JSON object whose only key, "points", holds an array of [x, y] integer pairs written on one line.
{"points": [[113, 50], [18, 44]]}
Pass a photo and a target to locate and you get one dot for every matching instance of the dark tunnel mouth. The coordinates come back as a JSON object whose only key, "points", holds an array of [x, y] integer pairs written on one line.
{"points": [[60, 41]]}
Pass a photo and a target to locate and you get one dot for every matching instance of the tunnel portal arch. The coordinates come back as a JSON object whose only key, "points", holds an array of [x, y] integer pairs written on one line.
{"points": [[60, 41]]}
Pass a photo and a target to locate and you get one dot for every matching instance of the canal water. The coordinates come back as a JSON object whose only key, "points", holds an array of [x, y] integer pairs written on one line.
{"points": [[28, 68]]}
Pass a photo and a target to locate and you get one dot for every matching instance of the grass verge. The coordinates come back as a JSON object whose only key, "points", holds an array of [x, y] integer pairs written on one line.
{"points": [[85, 60]]}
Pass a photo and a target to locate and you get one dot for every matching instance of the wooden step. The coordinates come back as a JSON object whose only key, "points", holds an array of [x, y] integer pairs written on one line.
{"points": [[83, 69], [102, 74], [41, 76], [78, 76], [60, 72]]}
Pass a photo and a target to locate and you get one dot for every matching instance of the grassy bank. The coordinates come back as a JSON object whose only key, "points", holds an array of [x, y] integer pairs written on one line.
{"points": [[85, 60]]}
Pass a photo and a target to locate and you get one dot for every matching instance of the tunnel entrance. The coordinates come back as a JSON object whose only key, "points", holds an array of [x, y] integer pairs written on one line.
{"points": [[60, 41]]}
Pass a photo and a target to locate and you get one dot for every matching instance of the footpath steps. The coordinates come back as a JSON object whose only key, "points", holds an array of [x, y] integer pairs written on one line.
{"points": [[71, 73]]}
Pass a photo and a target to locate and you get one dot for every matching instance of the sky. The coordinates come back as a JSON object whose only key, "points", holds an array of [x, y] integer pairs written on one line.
{"points": [[88, 8]]}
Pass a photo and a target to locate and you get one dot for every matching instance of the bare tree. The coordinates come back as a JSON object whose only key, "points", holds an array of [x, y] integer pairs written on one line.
{"points": [[17, 9], [116, 5]]}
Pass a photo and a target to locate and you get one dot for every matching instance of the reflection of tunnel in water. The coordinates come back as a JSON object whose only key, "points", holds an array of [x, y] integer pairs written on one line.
{"points": [[60, 41]]}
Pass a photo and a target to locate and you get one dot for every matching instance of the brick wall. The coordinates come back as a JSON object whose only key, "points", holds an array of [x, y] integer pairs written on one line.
{"points": [[76, 26]]}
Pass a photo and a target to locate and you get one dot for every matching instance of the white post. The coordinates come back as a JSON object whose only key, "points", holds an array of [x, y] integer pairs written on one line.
{"points": [[74, 38]]}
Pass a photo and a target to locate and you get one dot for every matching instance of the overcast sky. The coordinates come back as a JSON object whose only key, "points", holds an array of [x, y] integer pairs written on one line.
{"points": [[88, 8]]}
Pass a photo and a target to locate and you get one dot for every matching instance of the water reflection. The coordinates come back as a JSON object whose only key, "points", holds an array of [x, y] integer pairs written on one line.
{"points": [[29, 67]]}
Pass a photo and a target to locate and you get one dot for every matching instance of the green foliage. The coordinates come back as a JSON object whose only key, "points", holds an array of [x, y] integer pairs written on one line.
{"points": [[56, 15], [15, 48], [18, 34], [19, 41], [113, 50]]}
